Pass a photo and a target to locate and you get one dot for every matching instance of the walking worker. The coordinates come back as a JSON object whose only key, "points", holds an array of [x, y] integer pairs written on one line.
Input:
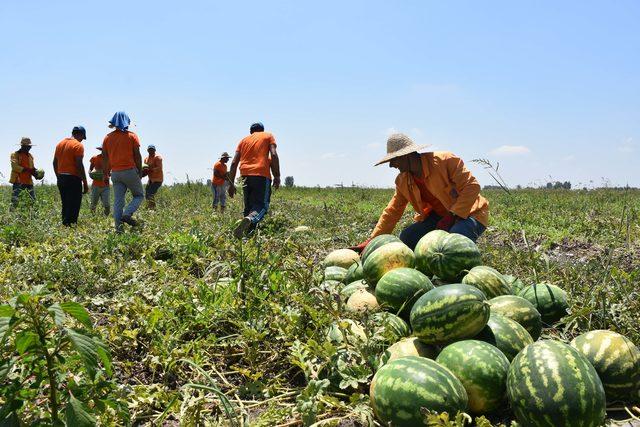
{"points": [[22, 171], [99, 187], [441, 190], [154, 172], [256, 154], [121, 156], [219, 182], [70, 173]]}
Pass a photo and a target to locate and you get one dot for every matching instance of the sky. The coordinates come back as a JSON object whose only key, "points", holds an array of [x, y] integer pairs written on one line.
{"points": [[548, 90]]}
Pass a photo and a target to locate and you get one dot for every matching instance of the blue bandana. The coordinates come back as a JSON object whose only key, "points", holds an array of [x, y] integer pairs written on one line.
{"points": [[120, 120]]}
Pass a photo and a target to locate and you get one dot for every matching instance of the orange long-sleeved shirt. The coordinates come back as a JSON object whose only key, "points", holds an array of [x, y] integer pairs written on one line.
{"points": [[448, 179]]}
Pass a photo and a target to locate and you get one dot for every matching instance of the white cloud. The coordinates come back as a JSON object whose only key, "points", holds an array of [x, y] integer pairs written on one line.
{"points": [[627, 146], [510, 150]]}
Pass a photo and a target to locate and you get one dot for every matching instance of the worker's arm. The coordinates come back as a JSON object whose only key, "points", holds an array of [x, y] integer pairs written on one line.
{"points": [[83, 174], [275, 166], [234, 167], [391, 215], [105, 166], [55, 166], [15, 163], [137, 158]]}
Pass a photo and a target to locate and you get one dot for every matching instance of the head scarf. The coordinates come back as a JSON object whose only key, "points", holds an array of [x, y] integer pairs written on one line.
{"points": [[120, 121]]}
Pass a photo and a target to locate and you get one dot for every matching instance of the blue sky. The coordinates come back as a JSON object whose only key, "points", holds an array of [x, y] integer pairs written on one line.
{"points": [[550, 90]]}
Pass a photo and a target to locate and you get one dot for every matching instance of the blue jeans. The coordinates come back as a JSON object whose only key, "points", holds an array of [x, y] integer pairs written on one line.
{"points": [[257, 196], [123, 181], [17, 189], [219, 195], [469, 227]]}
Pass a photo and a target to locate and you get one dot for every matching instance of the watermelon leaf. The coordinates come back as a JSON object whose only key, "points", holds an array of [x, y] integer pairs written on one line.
{"points": [[78, 312], [77, 414]]}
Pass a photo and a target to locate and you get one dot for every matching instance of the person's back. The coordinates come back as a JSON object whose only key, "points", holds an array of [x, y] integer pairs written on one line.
{"points": [[254, 154], [66, 152], [119, 146]]}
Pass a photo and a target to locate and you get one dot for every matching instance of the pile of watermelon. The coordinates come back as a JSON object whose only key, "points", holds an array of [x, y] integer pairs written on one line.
{"points": [[467, 338]]}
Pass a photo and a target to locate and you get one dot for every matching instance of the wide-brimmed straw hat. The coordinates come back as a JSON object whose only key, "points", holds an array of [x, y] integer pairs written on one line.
{"points": [[25, 142], [225, 155], [399, 145]]}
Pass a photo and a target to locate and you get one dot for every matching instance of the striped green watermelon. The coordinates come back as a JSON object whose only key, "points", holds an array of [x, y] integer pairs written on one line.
{"points": [[377, 242], [446, 255], [390, 327], [348, 290], [403, 386], [506, 334], [400, 288], [549, 300], [449, 313], [482, 369], [515, 283], [386, 258], [410, 346], [520, 310], [552, 384], [488, 280], [342, 258], [354, 273], [335, 273], [346, 328], [616, 359], [362, 300]]}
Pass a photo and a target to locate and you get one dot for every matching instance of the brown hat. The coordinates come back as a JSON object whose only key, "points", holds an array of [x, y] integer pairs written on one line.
{"points": [[25, 142], [399, 145], [225, 155]]}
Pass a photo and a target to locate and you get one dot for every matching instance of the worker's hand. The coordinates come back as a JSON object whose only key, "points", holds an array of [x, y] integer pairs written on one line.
{"points": [[32, 171], [446, 222], [359, 248], [106, 180], [232, 191], [85, 187], [276, 182]]}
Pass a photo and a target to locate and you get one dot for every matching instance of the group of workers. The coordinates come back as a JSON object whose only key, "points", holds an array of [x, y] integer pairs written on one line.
{"points": [[441, 190]]}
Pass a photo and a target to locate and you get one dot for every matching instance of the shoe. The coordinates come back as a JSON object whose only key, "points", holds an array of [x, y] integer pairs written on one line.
{"points": [[242, 227], [128, 220]]}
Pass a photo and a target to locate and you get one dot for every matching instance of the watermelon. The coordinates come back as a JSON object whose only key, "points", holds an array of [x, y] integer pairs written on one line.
{"points": [[549, 300], [616, 360], [403, 386], [342, 258], [335, 273], [449, 313], [399, 289], [390, 327], [411, 346], [354, 272], [482, 369], [488, 280], [515, 283], [348, 290], [386, 258], [520, 310], [377, 242], [96, 175], [362, 300], [552, 384], [39, 174], [346, 328], [446, 255], [506, 334]]}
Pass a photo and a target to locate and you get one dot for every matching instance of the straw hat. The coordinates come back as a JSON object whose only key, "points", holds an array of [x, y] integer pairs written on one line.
{"points": [[25, 142], [399, 145], [225, 155]]}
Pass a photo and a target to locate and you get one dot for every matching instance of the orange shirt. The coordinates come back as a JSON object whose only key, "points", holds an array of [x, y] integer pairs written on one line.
{"points": [[23, 160], [254, 154], [96, 162], [119, 146], [155, 168], [221, 168], [66, 152], [429, 201]]}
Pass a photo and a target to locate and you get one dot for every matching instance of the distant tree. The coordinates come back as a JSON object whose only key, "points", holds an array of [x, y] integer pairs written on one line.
{"points": [[549, 185], [288, 181]]}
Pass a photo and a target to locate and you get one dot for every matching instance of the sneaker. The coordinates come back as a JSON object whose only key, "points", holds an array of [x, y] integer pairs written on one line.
{"points": [[242, 227], [128, 220]]}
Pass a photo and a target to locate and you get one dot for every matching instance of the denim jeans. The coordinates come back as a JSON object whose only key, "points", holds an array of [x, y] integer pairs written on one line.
{"points": [[257, 195], [219, 195], [123, 181], [19, 188], [469, 227], [101, 193]]}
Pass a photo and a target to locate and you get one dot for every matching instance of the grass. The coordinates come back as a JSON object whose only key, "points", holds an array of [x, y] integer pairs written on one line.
{"points": [[189, 348]]}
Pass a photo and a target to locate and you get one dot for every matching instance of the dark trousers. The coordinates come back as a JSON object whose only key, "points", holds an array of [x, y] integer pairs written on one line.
{"points": [[257, 195], [19, 188], [70, 187], [469, 227]]}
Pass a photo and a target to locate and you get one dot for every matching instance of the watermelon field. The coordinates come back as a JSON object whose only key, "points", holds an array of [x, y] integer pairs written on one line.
{"points": [[176, 323]]}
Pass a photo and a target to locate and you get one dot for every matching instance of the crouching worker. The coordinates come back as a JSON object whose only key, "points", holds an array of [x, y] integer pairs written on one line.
{"points": [[100, 189], [440, 189], [220, 182]]}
